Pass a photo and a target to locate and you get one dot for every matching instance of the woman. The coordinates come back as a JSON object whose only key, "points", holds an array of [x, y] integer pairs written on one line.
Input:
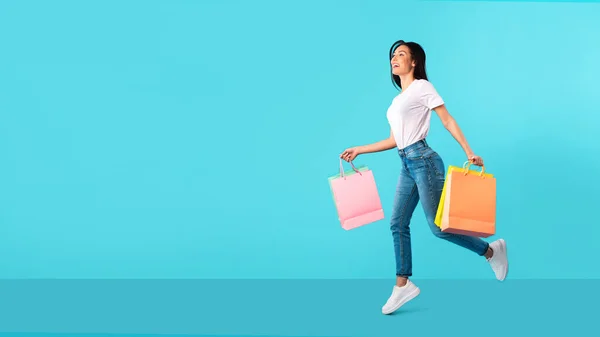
{"points": [[422, 172]]}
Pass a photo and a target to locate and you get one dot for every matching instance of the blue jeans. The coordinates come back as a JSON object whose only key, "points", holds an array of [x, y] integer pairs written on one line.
{"points": [[421, 179]]}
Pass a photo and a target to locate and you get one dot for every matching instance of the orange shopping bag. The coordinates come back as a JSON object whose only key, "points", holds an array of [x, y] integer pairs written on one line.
{"points": [[469, 202]]}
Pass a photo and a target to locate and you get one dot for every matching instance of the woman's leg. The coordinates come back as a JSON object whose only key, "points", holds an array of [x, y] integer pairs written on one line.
{"points": [[428, 172], [405, 202]]}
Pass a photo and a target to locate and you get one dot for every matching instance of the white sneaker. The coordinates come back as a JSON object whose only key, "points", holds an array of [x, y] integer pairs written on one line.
{"points": [[400, 295], [499, 261]]}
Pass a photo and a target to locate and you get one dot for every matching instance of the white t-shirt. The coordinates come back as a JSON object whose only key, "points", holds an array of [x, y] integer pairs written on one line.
{"points": [[409, 114]]}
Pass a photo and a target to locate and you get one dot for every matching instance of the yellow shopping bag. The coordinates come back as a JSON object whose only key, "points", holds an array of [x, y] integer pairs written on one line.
{"points": [[440, 210]]}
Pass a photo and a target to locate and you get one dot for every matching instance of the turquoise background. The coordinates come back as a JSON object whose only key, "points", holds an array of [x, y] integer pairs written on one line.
{"points": [[194, 139]]}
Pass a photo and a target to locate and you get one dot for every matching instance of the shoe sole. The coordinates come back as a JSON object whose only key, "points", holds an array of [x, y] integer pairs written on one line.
{"points": [[408, 297]]}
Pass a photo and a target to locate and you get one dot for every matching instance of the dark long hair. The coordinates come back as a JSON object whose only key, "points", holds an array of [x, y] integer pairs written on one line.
{"points": [[417, 54]]}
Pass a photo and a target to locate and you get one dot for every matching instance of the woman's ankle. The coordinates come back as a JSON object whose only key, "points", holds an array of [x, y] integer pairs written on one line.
{"points": [[489, 253], [401, 281]]}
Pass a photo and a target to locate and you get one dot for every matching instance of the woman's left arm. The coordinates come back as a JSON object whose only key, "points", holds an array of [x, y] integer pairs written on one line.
{"points": [[450, 124]]}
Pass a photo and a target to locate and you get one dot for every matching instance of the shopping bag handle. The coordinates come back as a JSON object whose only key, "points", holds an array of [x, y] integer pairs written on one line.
{"points": [[342, 169], [466, 168]]}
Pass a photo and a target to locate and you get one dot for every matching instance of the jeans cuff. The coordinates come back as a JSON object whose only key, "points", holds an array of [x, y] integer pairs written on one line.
{"points": [[487, 245]]}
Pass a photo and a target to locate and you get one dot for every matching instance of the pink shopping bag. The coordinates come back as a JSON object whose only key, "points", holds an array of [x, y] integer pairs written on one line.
{"points": [[356, 197]]}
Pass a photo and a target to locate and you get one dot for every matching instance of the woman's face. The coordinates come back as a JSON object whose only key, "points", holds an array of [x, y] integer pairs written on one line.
{"points": [[402, 62]]}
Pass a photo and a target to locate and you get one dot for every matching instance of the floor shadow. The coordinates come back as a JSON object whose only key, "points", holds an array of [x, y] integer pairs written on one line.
{"points": [[406, 311]]}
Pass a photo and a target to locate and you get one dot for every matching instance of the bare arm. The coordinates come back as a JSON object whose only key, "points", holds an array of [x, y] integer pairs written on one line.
{"points": [[382, 145], [452, 126]]}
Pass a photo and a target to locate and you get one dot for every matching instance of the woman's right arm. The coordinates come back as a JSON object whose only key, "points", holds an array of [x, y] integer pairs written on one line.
{"points": [[382, 145]]}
